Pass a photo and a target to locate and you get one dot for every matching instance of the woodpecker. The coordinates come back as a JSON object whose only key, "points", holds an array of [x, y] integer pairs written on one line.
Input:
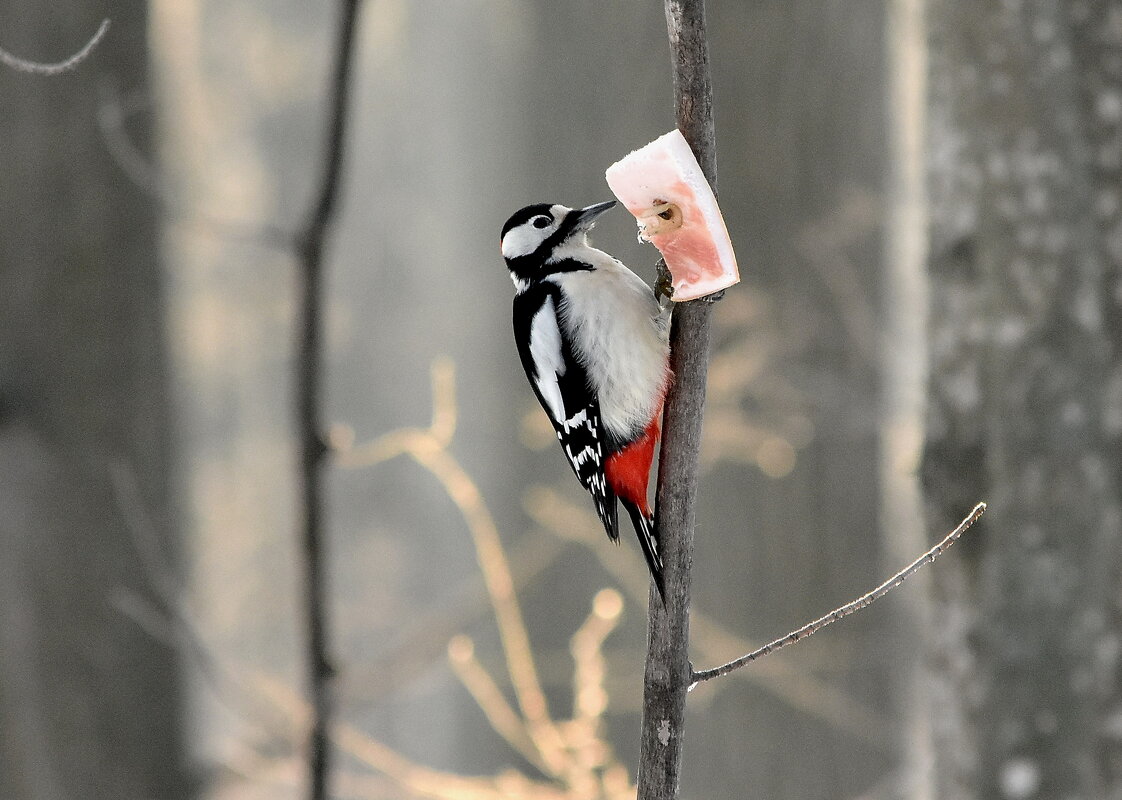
{"points": [[593, 341]]}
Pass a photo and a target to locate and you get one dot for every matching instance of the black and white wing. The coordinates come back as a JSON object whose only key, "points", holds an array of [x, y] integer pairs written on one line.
{"points": [[561, 385]]}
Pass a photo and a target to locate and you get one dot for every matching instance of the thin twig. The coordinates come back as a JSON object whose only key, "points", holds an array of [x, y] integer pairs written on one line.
{"points": [[40, 68], [312, 445], [848, 608]]}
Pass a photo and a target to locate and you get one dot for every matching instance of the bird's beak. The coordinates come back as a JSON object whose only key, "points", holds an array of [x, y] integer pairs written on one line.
{"points": [[586, 217]]}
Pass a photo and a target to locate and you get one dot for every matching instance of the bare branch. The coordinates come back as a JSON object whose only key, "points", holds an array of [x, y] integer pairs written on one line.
{"points": [[40, 68], [848, 608], [313, 448]]}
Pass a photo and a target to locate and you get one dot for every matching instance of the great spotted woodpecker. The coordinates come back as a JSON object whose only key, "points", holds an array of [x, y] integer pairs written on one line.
{"points": [[593, 341]]}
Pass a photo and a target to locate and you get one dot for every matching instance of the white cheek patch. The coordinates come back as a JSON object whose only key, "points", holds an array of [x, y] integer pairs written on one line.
{"points": [[525, 239], [521, 241]]}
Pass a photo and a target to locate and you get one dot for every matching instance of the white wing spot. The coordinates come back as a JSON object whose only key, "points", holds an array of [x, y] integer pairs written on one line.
{"points": [[584, 455], [652, 542], [545, 349], [579, 418]]}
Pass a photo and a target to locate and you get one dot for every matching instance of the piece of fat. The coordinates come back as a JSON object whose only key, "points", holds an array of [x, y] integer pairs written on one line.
{"points": [[662, 185]]}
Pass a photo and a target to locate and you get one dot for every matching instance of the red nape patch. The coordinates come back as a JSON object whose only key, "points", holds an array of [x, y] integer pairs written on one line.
{"points": [[629, 469]]}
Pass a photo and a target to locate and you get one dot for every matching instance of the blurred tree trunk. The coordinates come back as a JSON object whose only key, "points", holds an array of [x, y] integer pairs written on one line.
{"points": [[1026, 395], [89, 702], [904, 374]]}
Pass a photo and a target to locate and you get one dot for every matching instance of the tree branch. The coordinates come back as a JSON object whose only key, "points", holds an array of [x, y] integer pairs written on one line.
{"points": [[668, 673], [310, 246], [40, 68], [848, 608]]}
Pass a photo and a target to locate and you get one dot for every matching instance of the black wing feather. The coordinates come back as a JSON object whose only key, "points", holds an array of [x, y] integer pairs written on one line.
{"points": [[579, 429]]}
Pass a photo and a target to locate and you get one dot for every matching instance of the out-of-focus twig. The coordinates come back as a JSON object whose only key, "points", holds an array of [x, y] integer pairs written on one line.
{"points": [[40, 68], [572, 753], [754, 415], [489, 698], [114, 112], [310, 247], [428, 447], [582, 765], [590, 700], [421, 781], [823, 242], [430, 630], [848, 608], [165, 616]]}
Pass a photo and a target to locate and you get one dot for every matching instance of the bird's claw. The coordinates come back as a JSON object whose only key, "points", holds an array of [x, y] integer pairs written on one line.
{"points": [[664, 282]]}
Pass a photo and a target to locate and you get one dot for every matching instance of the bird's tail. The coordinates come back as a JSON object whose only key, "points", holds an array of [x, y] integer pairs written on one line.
{"points": [[648, 540], [606, 510]]}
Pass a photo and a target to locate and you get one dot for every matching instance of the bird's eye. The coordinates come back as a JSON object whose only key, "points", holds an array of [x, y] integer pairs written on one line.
{"points": [[541, 222]]}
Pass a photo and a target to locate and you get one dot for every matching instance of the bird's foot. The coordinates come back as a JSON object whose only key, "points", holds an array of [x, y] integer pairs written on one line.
{"points": [[664, 283]]}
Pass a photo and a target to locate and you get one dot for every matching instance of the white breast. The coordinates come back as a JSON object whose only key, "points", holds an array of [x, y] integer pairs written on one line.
{"points": [[619, 334]]}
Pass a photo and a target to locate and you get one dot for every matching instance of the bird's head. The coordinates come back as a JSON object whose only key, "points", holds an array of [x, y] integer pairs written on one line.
{"points": [[533, 234]]}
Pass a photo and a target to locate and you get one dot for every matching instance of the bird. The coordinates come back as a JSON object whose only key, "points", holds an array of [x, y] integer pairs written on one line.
{"points": [[593, 340]]}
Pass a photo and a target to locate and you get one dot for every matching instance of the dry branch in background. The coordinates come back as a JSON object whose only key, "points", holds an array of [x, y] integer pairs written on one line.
{"points": [[115, 111], [40, 68], [310, 246], [573, 754], [428, 447]]}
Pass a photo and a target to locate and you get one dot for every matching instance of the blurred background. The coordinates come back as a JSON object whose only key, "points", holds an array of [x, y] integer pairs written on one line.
{"points": [[924, 199]]}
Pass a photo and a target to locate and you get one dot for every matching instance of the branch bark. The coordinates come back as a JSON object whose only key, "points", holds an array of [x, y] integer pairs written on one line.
{"points": [[313, 450], [667, 676]]}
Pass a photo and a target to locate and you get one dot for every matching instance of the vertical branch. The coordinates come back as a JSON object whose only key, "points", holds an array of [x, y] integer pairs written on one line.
{"points": [[310, 246], [667, 674]]}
